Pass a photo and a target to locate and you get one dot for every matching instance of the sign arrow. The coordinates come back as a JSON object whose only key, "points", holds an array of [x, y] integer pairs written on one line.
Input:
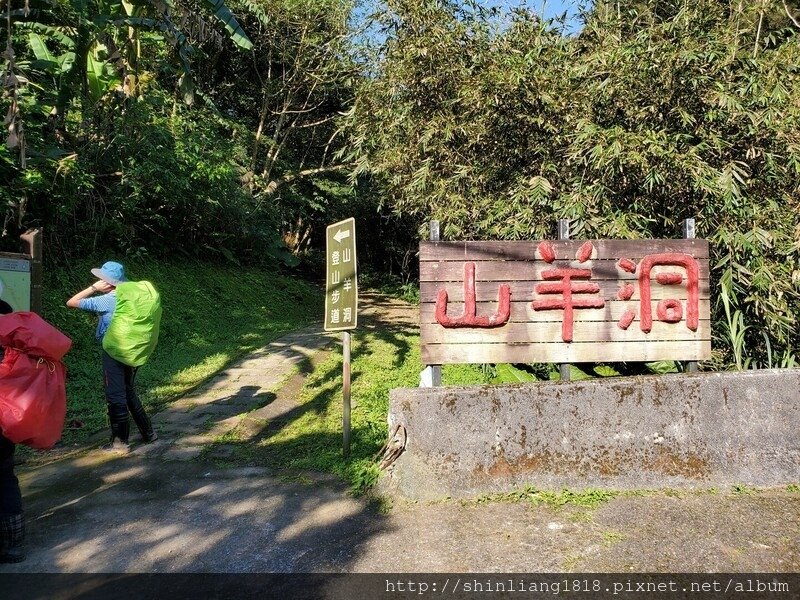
{"points": [[341, 234]]}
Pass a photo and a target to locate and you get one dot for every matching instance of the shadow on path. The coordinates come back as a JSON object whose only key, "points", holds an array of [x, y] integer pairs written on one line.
{"points": [[135, 514], [163, 509]]}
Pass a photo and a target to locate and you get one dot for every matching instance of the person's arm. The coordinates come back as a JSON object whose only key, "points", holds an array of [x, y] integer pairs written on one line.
{"points": [[99, 286]]}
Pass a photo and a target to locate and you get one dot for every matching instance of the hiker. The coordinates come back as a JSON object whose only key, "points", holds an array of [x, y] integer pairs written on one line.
{"points": [[118, 378], [12, 519]]}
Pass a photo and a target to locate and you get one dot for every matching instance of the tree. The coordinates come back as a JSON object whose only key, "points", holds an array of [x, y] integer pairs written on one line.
{"points": [[148, 118], [92, 90], [291, 92], [649, 116], [100, 42]]}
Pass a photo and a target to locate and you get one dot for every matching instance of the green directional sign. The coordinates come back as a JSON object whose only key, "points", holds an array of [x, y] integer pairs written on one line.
{"points": [[341, 286]]}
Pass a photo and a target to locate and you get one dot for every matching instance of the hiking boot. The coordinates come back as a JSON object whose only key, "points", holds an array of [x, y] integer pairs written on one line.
{"points": [[12, 539], [144, 424], [120, 430], [116, 446]]}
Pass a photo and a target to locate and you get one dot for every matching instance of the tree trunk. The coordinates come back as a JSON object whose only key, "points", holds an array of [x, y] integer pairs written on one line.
{"points": [[76, 78]]}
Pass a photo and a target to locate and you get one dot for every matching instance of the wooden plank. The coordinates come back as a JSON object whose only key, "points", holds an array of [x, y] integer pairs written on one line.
{"points": [[536, 335], [524, 291], [560, 353], [522, 312], [15, 255], [508, 271], [583, 331], [564, 249]]}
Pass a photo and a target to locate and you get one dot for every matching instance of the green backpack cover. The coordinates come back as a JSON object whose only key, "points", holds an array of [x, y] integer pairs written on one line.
{"points": [[132, 334]]}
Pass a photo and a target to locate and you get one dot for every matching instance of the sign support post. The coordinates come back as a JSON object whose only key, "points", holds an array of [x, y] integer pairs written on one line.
{"points": [[346, 393], [436, 370], [32, 245], [563, 234], [341, 303], [688, 234]]}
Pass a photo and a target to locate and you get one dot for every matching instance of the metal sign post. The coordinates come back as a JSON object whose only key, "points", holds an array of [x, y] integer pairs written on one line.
{"points": [[564, 369], [346, 393], [341, 301], [436, 370], [688, 234]]}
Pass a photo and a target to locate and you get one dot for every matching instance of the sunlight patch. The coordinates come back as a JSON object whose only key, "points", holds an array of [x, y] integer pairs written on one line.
{"points": [[208, 365]]}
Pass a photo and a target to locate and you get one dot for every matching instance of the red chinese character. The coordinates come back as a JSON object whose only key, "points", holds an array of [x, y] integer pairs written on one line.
{"points": [[469, 318], [567, 287], [669, 310]]}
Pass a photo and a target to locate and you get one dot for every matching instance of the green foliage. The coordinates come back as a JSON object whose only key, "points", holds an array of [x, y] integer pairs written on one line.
{"points": [[734, 327], [151, 178], [391, 286], [100, 76], [364, 478], [745, 490], [117, 161], [465, 374], [509, 374], [654, 113], [663, 366], [290, 92], [222, 13]]}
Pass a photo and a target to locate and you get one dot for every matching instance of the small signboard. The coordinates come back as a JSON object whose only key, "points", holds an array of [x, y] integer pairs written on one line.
{"points": [[341, 285], [15, 281]]}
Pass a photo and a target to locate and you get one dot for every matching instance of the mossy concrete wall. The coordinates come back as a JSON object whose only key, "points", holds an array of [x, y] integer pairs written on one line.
{"points": [[688, 430]]}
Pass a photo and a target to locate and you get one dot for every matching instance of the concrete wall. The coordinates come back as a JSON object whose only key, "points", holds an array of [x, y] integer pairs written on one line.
{"points": [[698, 430]]}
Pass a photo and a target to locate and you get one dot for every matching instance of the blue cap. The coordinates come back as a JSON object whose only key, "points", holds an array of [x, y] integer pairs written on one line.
{"points": [[111, 272]]}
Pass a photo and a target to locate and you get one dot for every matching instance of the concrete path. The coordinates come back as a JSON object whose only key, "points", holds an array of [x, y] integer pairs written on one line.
{"points": [[202, 416], [167, 508]]}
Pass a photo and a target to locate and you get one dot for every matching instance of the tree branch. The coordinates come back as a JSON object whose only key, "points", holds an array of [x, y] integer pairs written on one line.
{"points": [[273, 185], [315, 123], [789, 14]]}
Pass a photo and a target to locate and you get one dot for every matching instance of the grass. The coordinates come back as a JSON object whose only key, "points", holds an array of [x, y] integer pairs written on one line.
{"points": [[310, 438], [611, 537], [744, 490], [212, 315], [589, 498], [383, 357]]}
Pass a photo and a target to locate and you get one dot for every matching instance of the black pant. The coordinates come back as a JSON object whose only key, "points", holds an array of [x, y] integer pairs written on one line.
{"points": [[10, 496], [120, 394]]}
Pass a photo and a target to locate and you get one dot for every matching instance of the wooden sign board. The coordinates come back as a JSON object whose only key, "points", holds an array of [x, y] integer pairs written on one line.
{"points": [[564, 301], [341, 279]]}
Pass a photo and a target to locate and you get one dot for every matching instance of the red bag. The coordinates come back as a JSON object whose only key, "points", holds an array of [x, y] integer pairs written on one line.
{"points": [[33, 398]]}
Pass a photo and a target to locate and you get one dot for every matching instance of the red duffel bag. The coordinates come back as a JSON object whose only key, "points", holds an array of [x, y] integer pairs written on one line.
{"points": [[33, 397]]}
